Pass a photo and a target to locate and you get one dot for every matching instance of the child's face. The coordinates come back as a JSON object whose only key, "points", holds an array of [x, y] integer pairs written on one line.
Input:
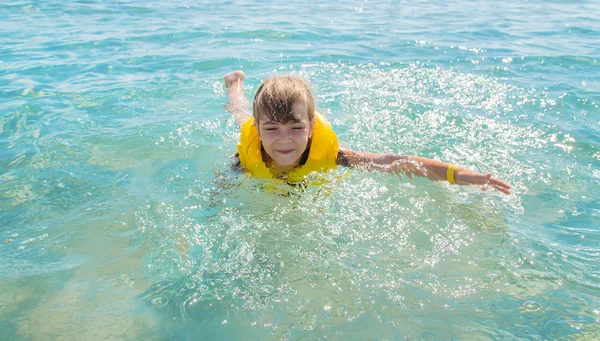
{"points": [[285, 143]]}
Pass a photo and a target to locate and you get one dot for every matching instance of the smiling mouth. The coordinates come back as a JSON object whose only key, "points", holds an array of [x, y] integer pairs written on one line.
{"points": [[285, 152]]}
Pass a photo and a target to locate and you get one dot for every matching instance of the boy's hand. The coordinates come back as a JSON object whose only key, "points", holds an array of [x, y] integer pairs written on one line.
{"points": [[464, 176]]}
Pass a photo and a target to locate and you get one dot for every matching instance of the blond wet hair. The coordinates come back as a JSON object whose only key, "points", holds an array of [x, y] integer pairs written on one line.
{"points": [[276, 96]]}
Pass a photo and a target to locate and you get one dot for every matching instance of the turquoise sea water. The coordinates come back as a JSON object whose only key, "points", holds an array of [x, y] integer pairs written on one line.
{"points": [[120, 218]]}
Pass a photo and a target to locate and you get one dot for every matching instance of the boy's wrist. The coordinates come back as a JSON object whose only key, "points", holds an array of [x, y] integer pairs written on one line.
{"points": [[451, 174]]}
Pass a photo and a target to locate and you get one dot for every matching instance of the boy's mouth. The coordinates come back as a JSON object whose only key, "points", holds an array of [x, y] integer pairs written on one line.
{"points": [[285, 152]]}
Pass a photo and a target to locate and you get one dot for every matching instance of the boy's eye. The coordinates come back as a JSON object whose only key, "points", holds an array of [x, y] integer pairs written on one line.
{"points": [[270, 129], [298, 128]]}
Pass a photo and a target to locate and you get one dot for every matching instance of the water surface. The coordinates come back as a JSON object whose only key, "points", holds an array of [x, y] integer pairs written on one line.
{"points": [[121, 217]]}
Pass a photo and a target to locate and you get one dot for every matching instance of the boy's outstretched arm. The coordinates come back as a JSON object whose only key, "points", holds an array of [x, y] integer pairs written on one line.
{"points": [[420, 166], [237, 103]]}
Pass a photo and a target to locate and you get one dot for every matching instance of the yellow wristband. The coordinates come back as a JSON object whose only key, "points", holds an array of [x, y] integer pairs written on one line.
{"points": [[450, 174]]}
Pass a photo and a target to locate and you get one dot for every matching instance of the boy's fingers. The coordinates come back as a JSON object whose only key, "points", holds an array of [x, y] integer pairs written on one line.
{"points": [[502, 189], [501, 183]]}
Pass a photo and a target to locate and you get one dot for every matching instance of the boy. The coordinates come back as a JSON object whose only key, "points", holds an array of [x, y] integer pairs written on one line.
{"points": [[285, 138]]}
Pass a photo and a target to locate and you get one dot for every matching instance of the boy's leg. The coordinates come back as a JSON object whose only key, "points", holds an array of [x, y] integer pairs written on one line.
{"points": [[237, 104]]}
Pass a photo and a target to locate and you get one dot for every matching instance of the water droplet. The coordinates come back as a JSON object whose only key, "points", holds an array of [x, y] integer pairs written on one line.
{"points": [[158, 301], [531, 306]]}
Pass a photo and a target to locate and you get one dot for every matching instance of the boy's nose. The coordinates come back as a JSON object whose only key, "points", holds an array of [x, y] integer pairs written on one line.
{"points": [[284, 135]]}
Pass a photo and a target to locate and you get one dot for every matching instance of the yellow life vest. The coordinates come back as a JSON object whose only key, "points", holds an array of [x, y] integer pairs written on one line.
{"points": [[321, 157]]}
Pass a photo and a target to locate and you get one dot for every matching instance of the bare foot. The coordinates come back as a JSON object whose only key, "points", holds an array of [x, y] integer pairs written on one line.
{"points": [[233, 77], [237, 103]]}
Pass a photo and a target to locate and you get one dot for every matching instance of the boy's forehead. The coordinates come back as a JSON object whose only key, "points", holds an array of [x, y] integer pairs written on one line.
{"points": [[296, 118], [296, 113], [299, 107], [299, 111]]}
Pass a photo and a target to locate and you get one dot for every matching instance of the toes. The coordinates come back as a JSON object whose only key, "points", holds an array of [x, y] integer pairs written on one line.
{"points": [[233, 77]]}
